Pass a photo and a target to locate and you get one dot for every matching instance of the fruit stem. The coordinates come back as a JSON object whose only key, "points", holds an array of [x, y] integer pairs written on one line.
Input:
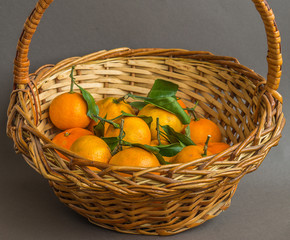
{"points": [[96, 118], [120, 99], [194, 115], [206, 146], [192, 110], [66, 134], [158, 131], [121, 135], [72, 80]]}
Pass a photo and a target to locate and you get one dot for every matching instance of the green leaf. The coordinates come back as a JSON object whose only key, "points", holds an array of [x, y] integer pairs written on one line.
{"points": [[175, 137], [145, 147], [99, 129], [170, 104], [187, 131], [138, 105], [170, 150], [112, 142], [93, 109], [162, 88], [161, 159], [146, 119]]}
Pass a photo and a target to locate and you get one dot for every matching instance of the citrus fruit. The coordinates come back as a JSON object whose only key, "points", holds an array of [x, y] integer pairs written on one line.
{"points": [[200, 129], [136, 131], [163, 142], [92, 148], [217, 147], [111, 108], [69, 110], [66, 138], [135, 157], [190, 153], [165, 118]]}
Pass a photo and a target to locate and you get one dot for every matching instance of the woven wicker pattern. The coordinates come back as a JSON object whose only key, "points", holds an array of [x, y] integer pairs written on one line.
{"points": [[242, 103]]}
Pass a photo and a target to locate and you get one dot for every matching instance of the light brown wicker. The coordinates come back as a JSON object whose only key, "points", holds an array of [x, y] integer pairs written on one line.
{"points": [[246, 107]]}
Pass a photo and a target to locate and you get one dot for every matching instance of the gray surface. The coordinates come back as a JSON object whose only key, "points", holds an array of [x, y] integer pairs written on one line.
{"points": [[28, 209]]}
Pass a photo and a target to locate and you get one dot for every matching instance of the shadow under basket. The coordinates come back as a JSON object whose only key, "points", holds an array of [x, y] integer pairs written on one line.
{"points": [[246, 107]]}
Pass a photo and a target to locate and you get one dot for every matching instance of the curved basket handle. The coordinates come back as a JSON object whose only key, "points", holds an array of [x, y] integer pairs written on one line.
{"points": [[274, 57]]}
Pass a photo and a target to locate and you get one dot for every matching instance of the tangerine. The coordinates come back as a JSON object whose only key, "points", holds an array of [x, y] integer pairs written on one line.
{"points": [[190, 153], [69, 110], [111, 108], [135, 157], [92, 148], [136, 131], [165, 118], [200, 129], [66, 138]]}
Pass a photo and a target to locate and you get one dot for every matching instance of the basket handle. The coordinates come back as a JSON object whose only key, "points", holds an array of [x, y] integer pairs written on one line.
{"points": [[274, 57]]}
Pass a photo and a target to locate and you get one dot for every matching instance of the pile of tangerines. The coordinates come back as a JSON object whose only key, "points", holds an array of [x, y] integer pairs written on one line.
{"points": [[154, 130]]}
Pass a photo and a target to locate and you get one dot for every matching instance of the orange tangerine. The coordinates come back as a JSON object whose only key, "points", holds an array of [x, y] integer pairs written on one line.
{"points": [[190, 153], [92, 148], [111, 108], [136, 131], [200, 129], [69, 110], [135, 157], [165, 118], [66, 138]]}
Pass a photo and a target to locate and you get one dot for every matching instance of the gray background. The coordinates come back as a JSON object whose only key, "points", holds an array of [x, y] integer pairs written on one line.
{"points": [[29, 210]]}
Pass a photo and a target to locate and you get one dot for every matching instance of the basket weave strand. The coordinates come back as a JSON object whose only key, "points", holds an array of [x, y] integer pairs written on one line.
{"points": [[246, 107]]}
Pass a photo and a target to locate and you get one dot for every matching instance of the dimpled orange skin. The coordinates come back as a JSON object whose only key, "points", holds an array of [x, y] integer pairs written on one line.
{"points": [[200, 129], [66, 138], [190, 153], [108, 107], [163, 142], [135, 157], [93, 148], [136, 131], [69, 110], [165, 118]]}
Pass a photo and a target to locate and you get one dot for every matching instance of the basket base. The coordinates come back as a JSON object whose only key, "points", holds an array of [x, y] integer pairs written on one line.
{"points": [[166, 232], [149, 218]]}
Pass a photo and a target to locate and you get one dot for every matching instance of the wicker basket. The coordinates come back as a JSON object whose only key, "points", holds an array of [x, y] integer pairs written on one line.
{"points": [[246, 107]]}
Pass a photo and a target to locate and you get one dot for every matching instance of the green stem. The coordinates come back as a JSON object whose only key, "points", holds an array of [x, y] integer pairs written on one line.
{"points": [[96, 118], [165, 137], [194, 115], [121, 135], [72, 80], [120, 144], [192, 110], [158, 131], [206, 146], [120, 99]]}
